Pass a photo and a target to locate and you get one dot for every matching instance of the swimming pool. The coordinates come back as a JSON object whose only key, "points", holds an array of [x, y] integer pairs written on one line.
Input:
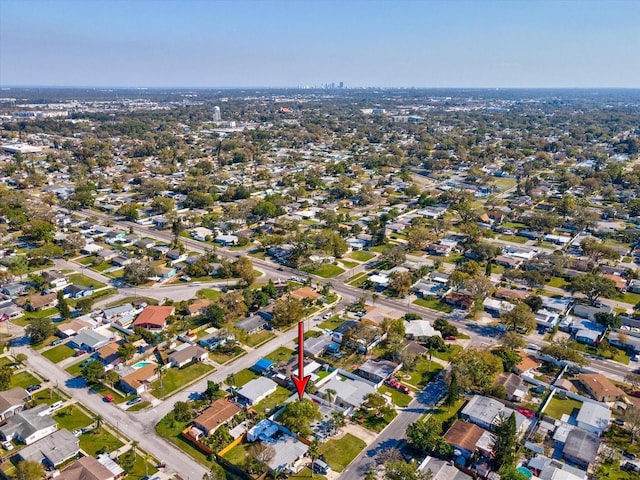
{"points": [[141, 364]]}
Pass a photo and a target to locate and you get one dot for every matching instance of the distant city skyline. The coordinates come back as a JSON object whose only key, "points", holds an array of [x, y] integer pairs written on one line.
{"points": [[287, 43]]}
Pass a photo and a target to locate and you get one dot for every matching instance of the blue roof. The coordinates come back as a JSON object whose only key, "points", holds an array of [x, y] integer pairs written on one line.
{"points": [[262, 365]]}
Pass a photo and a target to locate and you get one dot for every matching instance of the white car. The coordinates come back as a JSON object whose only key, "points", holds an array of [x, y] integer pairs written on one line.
{"points": [[7, 445], [533, 346]]}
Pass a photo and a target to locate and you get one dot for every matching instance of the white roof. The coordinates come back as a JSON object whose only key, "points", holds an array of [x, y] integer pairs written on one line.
{"points": [[420, 328], [594, 414]]}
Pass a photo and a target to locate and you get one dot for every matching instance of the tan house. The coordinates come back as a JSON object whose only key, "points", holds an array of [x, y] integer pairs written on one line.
{"points": [[37, 302], [220, 412], [305, 292], [87, 468], [600, 387], [465, 436], [199, 306], [184, 356], [139, 380], [12, 401]]}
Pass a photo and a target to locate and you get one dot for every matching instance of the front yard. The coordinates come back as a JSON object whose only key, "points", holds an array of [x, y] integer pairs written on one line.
{"points": [[324, 270], [282, 354], [276, 398], [177, 378], [23, 379], [434, 304], [421, 374], [72, 418], [58, 353], [340, 453]]}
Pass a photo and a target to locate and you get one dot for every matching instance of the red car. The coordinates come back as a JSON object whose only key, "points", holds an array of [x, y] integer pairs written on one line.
{"points": [[451, 338], [108, 398], [527, 413], [79, 352], [635, 394]]}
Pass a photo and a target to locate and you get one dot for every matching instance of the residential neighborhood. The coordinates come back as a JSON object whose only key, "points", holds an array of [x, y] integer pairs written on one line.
{"points": [[461, 291]]}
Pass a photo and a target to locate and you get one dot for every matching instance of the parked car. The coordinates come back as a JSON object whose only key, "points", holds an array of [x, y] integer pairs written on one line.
{"points": [[56, 406], [635, 394], [108, 398], [7, 445], [33, 388], [77, 432], [133, 401], [526, 412], [57, 342], [79, 352], [451, 338]]}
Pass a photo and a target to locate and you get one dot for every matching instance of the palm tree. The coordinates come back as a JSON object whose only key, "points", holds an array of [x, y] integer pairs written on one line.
{"points": [[371, 474], [99, 422], [314, 453], [134, 445], [160, 372], [330, 394]]}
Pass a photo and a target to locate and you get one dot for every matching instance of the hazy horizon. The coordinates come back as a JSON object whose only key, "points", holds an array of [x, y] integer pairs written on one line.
{"points": [[546, 44]]}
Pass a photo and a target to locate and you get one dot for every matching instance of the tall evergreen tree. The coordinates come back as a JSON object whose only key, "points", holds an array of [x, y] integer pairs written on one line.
{"points": [[454, 392], [63, 307], [505, 437]]}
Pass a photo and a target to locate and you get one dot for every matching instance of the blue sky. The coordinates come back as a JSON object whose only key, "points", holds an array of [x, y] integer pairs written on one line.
{"points": [[421, 43]]}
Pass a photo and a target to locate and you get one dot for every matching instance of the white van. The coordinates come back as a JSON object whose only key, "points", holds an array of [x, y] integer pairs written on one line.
{"points": [[321, 467], [55, 406]]}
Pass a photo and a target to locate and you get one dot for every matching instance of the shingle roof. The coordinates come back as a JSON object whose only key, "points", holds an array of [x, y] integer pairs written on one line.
{"points": [[581, 445], [57, 447], [464, 435], [219, 412]]}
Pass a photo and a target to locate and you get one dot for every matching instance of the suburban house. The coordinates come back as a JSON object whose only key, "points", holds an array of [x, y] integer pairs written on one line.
{"points": [[226, 240], [56, 279], [441, 470], [316, 346], [600, 387], [10, 311], [199, 306], [527, 365], [34, 303], [581, 448], [89, 340], [29, 426], [251, 325], [220, 412], [513, 385], [87, 468], [154, 317], [119, 311], [52, 450], [138, 380], [289, 451], [350, 390], [255, 390], [305, 293], [109, 355], [377, 371], [485, 412], [262, 366], [72, 327], [469, 438], [594, 417], [77, 291], [12, 401], [185, 354]]}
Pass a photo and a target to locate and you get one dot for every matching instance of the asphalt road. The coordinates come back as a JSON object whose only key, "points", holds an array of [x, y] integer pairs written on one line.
{"points": [[394, 433]]}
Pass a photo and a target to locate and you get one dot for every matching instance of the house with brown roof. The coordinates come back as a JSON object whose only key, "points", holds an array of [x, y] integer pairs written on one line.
{"points": [[87, 468], [34, 303], [154, 317], [12, 401], [465, 436], [139, 380], [513, 385], [199, 306], [305, 292], [600, 387], [109, 354], [186, 354], [459, 300], [510, 294], [219, 413], [72, 327], [527, 364]]}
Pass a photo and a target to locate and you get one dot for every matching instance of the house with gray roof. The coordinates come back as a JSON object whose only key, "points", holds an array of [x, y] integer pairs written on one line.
{"points": [[350, 390], [12, 401], [377, 371], [90, 340], [441, 470], [52, 450], [594, 417], [485, 412], [255, 390], [29, 426], [289, 452], [315, 346], [251, 325], [581, 448], [118, 311]]}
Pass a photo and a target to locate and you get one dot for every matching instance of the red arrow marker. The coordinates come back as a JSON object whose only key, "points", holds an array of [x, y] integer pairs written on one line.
{"points": [[300, 381]]}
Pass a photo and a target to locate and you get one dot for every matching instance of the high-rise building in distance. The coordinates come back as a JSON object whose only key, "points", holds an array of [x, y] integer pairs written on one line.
{"points": [[217, 117]]}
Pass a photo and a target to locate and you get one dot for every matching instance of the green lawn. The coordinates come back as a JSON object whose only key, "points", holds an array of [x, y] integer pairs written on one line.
{"points": [[444, 413], [276, 398], [139, 406], [324, 270], [381, 248], [449, 354], [209, 293], [513, 239], [238, 454], [118, 396], [93, 442], [339, 453], [140, 470], [433, 304], [399, 399], [358, 280], [618, 437], [332, 323], [361, 256], [171, 430], [306, 474], [222, 358], [71, 418], [75, 369], [45, 395], [557, 282], [83, 280], [611, 471], [176, 378], [348, 264], [282, 354], [48, 312], [23, 379], [420, 375], [259, 338], [558, 407], [243, 376], [58, 353], [630, 297]]}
